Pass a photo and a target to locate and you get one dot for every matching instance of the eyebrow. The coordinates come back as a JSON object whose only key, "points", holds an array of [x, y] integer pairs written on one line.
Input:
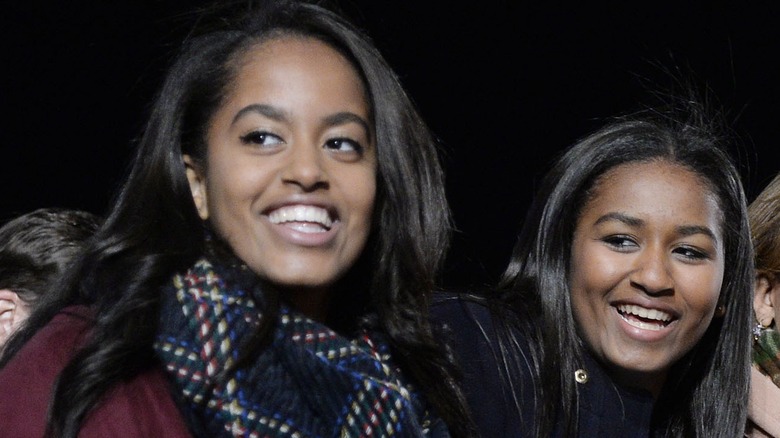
{"points": [[279, 115], [345, 117], [689, 230], [266, 110], [620, 217], [683, 230]]}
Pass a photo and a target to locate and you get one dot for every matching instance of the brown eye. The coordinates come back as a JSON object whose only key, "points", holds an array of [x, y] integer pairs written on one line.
{"points": [[691, 253], [620, 242], [261, 138], [344, 145]]}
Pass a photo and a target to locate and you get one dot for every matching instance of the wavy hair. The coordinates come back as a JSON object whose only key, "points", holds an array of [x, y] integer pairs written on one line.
{"points": [[706, 392], [153, 229]]}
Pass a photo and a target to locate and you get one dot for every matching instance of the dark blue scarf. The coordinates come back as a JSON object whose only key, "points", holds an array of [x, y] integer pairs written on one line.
{"points": [[310, 382]]}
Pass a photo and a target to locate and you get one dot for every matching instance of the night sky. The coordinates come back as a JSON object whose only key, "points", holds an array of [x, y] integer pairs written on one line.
{"points": [[504, 85]]}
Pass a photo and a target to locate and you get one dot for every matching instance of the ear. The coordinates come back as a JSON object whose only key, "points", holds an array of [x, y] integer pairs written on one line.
{"points": [[765, 300], [197, 183], [13, 312]]}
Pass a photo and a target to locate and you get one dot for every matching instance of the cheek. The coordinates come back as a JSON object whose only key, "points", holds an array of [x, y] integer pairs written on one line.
{"points": [[776, 300], [587, 289], [365, 201], [584, 286], [360, 192], [232, 188], [703, 288], [594, 270]]}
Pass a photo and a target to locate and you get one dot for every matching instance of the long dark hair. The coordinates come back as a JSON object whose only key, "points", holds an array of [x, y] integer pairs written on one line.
{"points": [[706, 392], [153, 229]]}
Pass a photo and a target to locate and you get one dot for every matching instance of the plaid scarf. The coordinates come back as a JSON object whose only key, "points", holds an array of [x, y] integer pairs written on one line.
{"points": [[766, 353], [309, 382]]}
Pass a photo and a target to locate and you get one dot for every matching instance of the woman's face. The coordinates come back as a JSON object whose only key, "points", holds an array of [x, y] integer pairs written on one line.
{"points": [[647, 266], [290, 174]]}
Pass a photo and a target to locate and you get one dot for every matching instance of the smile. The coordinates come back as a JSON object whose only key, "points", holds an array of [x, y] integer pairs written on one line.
{"points": [[302, 218], [644, 318]]}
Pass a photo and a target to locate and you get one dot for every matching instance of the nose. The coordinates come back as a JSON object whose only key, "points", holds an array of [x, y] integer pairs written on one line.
{"points": [[304, 167], [652, 272]]}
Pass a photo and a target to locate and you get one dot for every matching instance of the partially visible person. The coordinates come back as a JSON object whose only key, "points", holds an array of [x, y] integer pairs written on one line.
{"points": [[39, 254], [36, 249], [625, 309], [763, 411]]}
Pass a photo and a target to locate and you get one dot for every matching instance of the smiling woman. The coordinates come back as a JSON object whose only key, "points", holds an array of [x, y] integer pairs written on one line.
{"points": [[645, 278], [289, 178], [269, 258], [624, 309]]}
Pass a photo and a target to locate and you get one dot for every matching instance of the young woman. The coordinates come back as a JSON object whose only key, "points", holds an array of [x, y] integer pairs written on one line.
{"points": [[764, 214], [272, 249], [628, 295]]}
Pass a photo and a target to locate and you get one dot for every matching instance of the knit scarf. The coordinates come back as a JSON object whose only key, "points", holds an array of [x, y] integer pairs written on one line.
{"points": [[766, 353], [309, 382]]}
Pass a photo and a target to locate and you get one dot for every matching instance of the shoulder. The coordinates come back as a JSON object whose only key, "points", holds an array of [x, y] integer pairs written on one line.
{"points": [[140, 407], [472, 328], [475, 323], [28, 378], [467, 324], [37, 364], [60, 336], [460, 311]]}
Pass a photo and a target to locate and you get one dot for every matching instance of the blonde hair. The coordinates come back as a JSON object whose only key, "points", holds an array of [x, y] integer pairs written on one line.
{"points": [[764, 216]]}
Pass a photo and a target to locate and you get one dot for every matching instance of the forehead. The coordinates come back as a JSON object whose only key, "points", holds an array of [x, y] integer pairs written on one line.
{"points": [[285, 63], [659, 189]]}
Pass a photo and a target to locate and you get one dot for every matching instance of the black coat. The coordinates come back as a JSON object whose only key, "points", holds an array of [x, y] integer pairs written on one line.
{"points": [[605, 409]]}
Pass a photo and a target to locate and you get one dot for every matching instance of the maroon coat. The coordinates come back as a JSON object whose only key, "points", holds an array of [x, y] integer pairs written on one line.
{"points": [[141, 407]]}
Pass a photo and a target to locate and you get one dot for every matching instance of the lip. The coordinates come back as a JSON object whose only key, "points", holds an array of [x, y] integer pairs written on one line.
{"points": [[645, 330], [294, 232]]}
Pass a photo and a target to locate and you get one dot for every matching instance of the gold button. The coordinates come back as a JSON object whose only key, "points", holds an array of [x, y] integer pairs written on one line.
{"points": [[581, 376]]}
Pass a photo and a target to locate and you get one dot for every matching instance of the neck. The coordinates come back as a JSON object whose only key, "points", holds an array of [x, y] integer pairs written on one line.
{"points": [[312, 302]]}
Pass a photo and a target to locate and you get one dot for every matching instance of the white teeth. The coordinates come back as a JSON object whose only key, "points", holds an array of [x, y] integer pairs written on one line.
{"points": [[643, 325], [645, 313], [306, 227], [302, 213]]}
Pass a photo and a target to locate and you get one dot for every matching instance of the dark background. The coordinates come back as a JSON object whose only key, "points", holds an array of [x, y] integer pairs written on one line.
{"points": [[505, 85]]}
